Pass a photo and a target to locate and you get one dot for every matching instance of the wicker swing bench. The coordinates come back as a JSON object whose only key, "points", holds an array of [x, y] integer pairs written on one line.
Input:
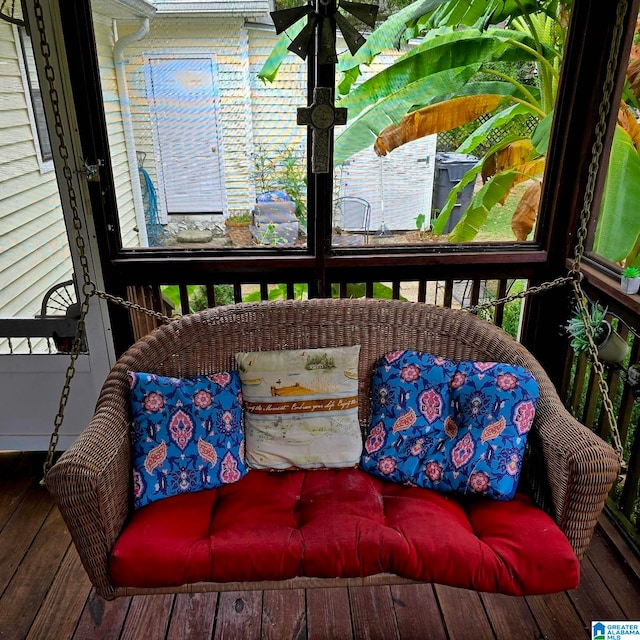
{"points": [[304, 528]]}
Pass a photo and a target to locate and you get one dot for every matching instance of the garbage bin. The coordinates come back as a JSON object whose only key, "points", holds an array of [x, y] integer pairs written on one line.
{"points": [[449, 169]]}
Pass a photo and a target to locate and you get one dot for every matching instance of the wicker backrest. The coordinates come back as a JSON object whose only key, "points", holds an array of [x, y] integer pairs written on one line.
{"points": [[206, 342]]}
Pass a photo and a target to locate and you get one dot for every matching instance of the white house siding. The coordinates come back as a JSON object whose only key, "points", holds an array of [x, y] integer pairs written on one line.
{"points": [[275, 103], [226, 7], [117, 148], [34, 250]]}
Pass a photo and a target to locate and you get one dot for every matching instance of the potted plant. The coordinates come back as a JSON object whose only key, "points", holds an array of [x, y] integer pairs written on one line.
{"points": [[630, 280], [238, 229], [612, 348]]}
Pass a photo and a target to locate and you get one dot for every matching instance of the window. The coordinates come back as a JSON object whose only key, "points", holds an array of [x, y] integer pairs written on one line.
{"points": [[201, 119], [34, 104]]}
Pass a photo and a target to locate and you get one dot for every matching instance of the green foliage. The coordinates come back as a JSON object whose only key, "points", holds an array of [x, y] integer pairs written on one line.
{"points": [[240, 218], [631, 272], [279, 292], [198, 296], [286, 171], [513, 310], [619, 223], [577, 330], [301, 291]]}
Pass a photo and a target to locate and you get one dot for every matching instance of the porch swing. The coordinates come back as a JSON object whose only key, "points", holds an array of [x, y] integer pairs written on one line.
{"points": [[335, 527]]}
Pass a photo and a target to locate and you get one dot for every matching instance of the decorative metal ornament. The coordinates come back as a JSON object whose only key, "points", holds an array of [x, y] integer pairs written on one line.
{"points": [[321, 116], [326, 22]]}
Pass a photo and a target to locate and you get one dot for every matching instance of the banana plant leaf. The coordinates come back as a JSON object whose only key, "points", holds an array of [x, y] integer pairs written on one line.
{"points": [[278, 54], [477, 213], [442, 116], [420, 79], [388, 35], [541, 134], [469, 176], [619, 222], [479, 14], [479, 135], [362, 133], [450, 50]]}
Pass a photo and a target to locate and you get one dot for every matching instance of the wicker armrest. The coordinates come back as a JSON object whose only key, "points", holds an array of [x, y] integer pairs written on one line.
{"points": [[90, 484], [580, 471]]}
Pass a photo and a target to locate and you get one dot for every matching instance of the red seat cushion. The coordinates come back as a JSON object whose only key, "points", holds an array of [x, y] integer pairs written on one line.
{"points": [[342, 523]]}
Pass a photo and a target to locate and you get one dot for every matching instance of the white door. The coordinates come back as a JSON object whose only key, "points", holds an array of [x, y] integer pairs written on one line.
{"points": [[183, 103]]}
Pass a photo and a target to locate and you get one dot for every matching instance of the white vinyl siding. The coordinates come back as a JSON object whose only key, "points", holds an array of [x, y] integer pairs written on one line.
{"points": [[275, 103], [218, 7], [34, 251]]}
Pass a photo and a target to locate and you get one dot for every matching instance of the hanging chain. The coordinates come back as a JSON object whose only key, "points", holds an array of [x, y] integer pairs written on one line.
{"points": [[579, 249], [132, 306], [545, 286], [88, 288]]}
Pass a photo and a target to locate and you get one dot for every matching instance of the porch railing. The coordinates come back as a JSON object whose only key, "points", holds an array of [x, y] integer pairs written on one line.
{"points": [[582, 396]]}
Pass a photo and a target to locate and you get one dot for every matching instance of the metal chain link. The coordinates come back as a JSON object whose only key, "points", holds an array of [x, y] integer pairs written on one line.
{"points": [[599, 369], [132, 306], [585, 215], [598, 145], [545, 286]]}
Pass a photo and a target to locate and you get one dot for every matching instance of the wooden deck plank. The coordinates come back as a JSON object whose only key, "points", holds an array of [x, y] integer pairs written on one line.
{"points": [[556, 617], [148, 618], [623, 589], [329, 613], [8, 459], [101, 618], [193, 616], [372, 613], [20, 531], [619, 545], [62, 607], [417, 612], [29, 586], [464, 614], [239, 615], [284, 615], [17, 475], [592, 599], [510, 617]]}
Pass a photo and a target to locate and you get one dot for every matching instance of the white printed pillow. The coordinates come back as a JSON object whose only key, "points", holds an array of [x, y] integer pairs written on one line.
{"points": [[301, 408]]}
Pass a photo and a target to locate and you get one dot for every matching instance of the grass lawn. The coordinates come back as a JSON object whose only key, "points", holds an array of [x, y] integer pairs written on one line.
{"points": [[498, 225]]}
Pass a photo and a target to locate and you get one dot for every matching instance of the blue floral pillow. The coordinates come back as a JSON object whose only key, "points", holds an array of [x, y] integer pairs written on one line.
{"points": [[186, 434], [450, 426]]}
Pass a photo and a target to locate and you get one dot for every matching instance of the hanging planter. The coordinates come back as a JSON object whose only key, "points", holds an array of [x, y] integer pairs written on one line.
{"points": [[612, 348], [630, 280]]}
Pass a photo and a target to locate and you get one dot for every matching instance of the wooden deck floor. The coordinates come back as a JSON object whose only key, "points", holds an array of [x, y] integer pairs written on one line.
{"points": [[44, 593]]}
